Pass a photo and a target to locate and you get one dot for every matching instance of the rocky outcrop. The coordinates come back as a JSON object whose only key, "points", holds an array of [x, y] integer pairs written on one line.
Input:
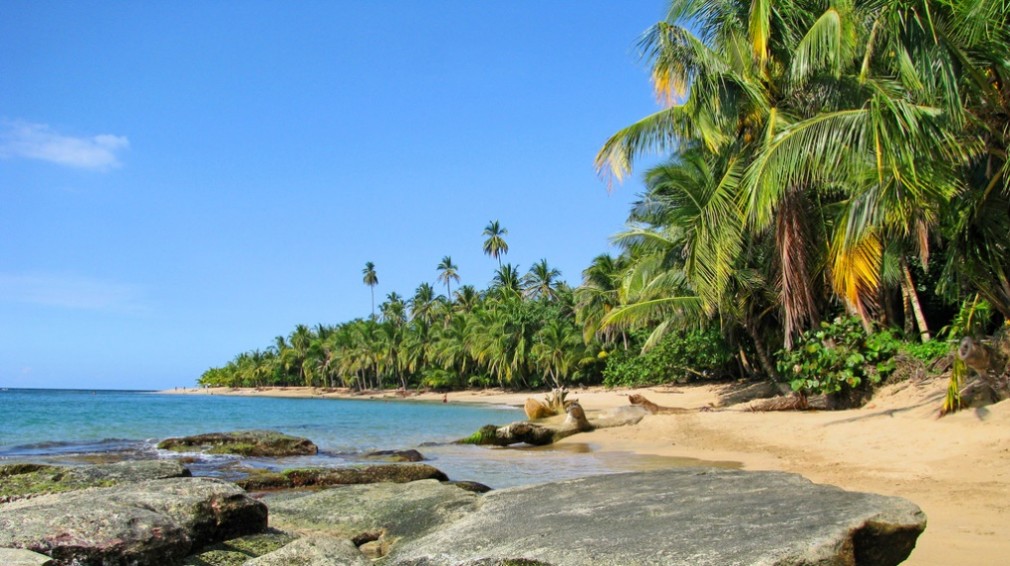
{"points": [[255, 443], [329, 477], [675, 517], [314, 551], [396, 455], [376, 515], [155, 522], [18, 481]]}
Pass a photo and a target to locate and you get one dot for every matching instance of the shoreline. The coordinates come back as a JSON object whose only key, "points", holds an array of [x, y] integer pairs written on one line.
{"points": [[956, 468]]}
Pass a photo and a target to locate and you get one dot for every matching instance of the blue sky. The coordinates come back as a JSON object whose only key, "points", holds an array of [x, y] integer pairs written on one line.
{"points": [[182, 181]]}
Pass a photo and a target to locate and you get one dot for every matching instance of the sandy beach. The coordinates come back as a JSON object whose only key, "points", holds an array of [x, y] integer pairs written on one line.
{"points": [[956, 468]]}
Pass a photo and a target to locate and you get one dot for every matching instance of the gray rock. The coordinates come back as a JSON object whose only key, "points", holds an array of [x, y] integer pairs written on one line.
{"points": [[24, 480], [382, 512], [156, 522], [329, 477], [313, 551], [396, 455], [671, 517], [256, 443], [21, 557]]}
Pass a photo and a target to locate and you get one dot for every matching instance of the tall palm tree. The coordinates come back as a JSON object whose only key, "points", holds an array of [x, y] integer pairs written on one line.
{"points": [[506, 280], [447, 272], [371, 279], [495, 245]]}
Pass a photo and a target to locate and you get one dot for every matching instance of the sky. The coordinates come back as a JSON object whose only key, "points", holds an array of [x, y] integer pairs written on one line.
{"points": [[183, 181]]}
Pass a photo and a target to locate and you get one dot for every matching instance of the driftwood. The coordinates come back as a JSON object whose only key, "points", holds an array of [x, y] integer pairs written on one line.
{"points": [[554, 403], [793, 402], [529, 433], [653, 408]]}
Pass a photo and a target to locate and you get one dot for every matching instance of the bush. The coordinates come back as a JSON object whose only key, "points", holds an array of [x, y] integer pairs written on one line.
{"points": [[839, 357], [680, 356]]}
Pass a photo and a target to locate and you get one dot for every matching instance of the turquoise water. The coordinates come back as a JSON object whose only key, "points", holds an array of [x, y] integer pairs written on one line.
{"points": [[65, 426]]}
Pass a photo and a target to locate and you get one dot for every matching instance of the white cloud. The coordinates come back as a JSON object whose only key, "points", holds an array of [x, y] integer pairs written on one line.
{"points": [[39, 141], [69, 291]]}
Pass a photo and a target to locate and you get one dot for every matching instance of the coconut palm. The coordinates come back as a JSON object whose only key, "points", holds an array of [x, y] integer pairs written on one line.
{"points": [[495, 245], [541, 281], [371, 279], [447, 272], [506, 280]]}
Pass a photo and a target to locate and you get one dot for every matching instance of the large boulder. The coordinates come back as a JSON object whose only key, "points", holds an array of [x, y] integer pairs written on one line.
{"points": [[21, 480], [376, 514], [686, 516], [255, 443], [329, 477], [156, 522]]}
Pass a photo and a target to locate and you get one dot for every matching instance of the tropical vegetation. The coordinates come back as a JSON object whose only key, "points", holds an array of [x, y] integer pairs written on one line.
{"points": [[836, 189]]}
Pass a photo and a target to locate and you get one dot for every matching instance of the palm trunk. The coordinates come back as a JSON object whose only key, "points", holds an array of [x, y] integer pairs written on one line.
{"points": [[762, 353], [913, 298]]}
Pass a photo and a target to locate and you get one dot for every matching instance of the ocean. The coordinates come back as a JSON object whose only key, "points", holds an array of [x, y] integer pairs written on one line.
{"points": [[75, 426]]}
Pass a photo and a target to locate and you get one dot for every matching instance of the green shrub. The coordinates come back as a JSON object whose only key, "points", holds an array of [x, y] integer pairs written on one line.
{"points": [[837, 357], [680, 356]]}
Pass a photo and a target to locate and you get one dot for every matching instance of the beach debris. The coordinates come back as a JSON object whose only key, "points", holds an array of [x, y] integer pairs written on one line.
{"points": [[554, 403], [654, 409], [254, 443], [980, 374], [529, 433], [148, 523], [352, 475]]}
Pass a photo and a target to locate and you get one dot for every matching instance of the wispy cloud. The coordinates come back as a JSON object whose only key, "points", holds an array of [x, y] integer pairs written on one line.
{"points": [[38, 141], [69, 291]]}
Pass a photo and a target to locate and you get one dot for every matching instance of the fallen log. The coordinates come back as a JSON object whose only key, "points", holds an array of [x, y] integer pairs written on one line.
{"points": [[654, 409], [529, 433]]}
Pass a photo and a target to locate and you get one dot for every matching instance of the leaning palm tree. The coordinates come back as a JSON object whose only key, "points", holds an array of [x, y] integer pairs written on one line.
{"points": [[495, 245], [447, 272], [371, 279]]}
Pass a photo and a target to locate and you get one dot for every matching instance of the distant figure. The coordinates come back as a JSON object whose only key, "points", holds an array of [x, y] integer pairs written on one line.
{"points": [[445, 397]]}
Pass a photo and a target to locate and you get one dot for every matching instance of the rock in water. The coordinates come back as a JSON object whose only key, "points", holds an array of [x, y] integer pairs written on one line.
{"points": [[687, 516], [330, 477], [150, 523], [255, 443]]}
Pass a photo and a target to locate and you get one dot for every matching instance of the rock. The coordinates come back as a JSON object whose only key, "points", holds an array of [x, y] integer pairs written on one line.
{"points": [[314, 551], [154, 522], [380, 512], [21, 557], [25, 480], [396, 455], [675, 517], [473, 486], [328, 477], [256, 443], [236, 551]]}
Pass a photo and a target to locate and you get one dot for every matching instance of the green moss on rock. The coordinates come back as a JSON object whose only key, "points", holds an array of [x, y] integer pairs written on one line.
{"points": [[237, 551], [257, 443]]}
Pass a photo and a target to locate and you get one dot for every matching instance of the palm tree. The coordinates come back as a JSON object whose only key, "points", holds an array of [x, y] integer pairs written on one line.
{"points": [[495, 245], [371, 279], [540, 281], [447, 272], [506, 280]]}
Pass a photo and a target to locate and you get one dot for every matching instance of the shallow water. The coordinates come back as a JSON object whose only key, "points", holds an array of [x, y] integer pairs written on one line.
{"points": [[68, 426]]}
